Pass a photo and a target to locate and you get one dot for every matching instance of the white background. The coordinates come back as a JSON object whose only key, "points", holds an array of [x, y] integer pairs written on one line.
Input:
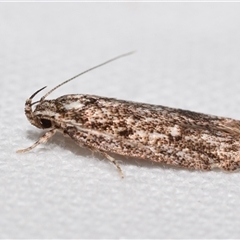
{"points": [[187, 57]]}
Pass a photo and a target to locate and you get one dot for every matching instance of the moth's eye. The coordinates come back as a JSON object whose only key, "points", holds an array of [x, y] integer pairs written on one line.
{"points": [[46, 123]]}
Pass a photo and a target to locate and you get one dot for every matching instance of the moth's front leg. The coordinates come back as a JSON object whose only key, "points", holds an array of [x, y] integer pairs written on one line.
{"points": [[42, 139]]}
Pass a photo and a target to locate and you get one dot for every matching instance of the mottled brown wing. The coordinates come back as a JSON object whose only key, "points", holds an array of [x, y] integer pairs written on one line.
{"points": [[156, 133]]}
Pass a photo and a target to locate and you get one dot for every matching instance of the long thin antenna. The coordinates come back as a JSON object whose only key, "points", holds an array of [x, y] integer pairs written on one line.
{"points": [[90, 69]]}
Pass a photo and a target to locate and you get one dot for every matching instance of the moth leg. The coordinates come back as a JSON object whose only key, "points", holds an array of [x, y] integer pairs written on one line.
{"points": [[42, 139], [112, 160]]}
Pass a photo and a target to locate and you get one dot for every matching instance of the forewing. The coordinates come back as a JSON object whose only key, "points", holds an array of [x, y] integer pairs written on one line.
{"points": [[156, 133]]}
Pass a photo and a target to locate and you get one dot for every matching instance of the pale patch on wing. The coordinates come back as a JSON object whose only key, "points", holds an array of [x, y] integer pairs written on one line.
{"points": [[175, 131], [73, 105], [156, 135]]}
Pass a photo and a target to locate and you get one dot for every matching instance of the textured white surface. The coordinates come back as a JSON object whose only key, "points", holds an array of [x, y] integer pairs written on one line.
{"points": [[188, 57]]}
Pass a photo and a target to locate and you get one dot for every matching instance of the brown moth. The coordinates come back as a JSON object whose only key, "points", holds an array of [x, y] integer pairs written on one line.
{"points": [[155, 133]]}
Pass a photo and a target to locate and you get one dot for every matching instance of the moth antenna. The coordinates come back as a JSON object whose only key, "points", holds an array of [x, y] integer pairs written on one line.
{"points": [[90, 69], [31, 104], [37, 92]]}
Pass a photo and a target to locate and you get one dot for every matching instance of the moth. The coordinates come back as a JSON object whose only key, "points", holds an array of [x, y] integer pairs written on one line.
{"points": [[155, 133]]}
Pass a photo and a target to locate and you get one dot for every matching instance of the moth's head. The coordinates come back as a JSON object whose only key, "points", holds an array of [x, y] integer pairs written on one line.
{"points": [[43, 114]]}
